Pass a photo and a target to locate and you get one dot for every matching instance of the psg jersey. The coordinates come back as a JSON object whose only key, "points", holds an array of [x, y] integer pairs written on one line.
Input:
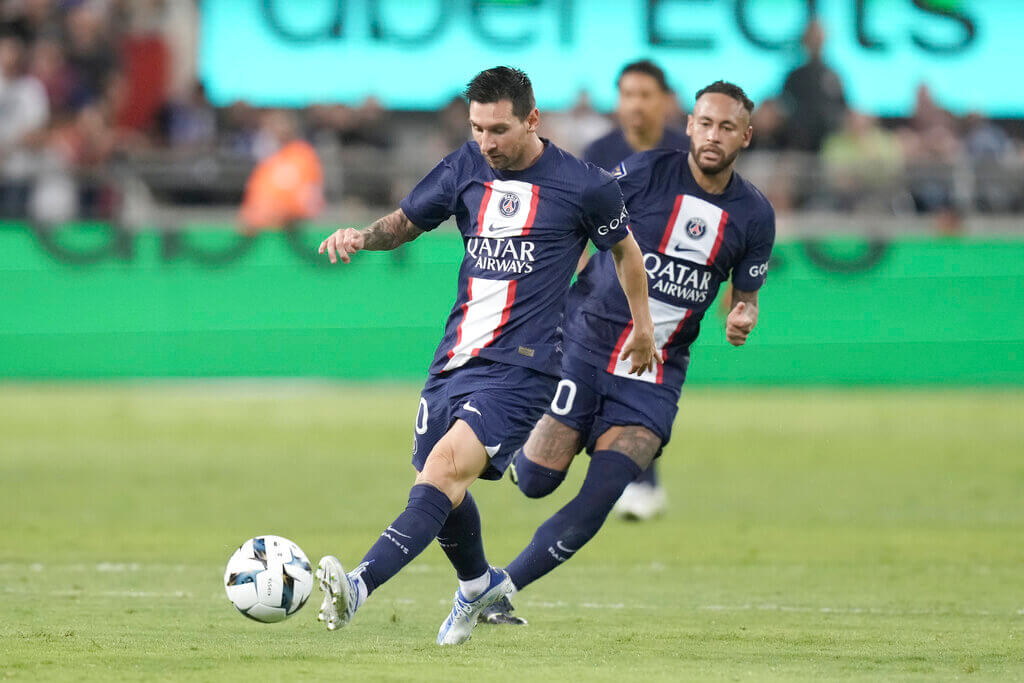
{"points": [[523, 232], [607, 151], [692, 242]]}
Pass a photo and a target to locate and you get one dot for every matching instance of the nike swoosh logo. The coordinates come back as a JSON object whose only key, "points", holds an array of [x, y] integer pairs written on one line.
{"points": [[395, 531], [558, 544], [492, 450], [471, 409], [683, 250]]}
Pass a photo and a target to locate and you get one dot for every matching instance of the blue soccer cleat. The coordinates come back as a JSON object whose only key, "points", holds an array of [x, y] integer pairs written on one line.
{"points": [[458, 627]]}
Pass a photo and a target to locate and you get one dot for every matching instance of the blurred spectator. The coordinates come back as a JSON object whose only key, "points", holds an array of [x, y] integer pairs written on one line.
{"points": [[932, 148], [24, 112], [575, 127], [51, 68], [990, 152], [238, 127], [189, 122], [812, 96], [30, 20], [90, 51], [862, 162], [984, 140], [453, 126], [366, 136], [287, 185]]}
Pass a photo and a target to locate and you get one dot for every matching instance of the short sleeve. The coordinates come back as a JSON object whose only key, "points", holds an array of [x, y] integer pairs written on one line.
{"points": [[750, 273], [433, 199], [604, 213]]}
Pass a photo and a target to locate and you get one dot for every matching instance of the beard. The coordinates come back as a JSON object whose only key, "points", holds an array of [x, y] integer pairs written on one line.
{"points": [[715, 167]]}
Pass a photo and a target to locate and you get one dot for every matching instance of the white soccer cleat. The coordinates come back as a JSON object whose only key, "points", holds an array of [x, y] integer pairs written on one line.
{"points": [[640, 502], [458, 627], [340, 593]]}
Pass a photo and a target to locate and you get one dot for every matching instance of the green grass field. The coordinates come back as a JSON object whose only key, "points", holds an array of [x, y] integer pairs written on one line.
{"points": [[858, 535]]}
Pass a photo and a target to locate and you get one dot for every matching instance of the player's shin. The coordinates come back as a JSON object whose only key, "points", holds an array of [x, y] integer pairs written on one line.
{"points": [[574, 525], [462, 542], [407, 536]]}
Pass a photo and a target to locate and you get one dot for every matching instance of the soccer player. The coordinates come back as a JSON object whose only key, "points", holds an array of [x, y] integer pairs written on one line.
{"points": [[644, 99], [525, 210], [698, 223]]}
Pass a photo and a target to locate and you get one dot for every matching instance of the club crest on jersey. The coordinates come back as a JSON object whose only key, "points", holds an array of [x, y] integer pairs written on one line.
{"points": [[696, 227], [619, 170], [509, 204]]}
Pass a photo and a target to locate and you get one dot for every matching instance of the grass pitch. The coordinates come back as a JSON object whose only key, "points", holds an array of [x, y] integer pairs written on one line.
{"points": [[857, 535]]}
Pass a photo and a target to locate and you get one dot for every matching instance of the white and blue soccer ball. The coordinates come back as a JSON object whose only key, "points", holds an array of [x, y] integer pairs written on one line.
{"points": [[268, 578]]}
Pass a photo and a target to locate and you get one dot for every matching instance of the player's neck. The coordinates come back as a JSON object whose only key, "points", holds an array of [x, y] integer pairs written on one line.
{"points": [[533, 152], [712, 184], [641, 140]]}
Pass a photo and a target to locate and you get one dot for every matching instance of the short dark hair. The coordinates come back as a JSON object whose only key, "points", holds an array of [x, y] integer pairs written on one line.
{"points": [[503, 83], [647, 67], [729, 89]]}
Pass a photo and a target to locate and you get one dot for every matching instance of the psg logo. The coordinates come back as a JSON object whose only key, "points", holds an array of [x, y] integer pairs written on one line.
{"points": [[509, 204], [696, 227]]}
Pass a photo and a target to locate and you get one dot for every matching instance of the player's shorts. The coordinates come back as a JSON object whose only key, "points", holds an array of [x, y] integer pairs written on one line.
{"points": [[590, 400], [500, 402]]}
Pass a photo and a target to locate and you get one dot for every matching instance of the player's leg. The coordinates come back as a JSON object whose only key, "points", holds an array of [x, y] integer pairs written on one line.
{"points": [[453, 463], [539, 467], [620, 454], [644, 498]]}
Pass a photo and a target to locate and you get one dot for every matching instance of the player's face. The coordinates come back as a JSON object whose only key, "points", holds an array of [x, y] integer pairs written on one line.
{"points": [[718, 128], [502, 137], [642, 104]]}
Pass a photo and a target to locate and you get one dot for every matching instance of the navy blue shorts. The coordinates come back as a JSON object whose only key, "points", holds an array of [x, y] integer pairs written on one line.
{"points": [[590, 400], [501, 403]]}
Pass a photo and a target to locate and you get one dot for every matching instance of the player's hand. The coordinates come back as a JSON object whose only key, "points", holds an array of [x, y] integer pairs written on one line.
{"points": [[342, 244], [641, 351], [740, 323]]}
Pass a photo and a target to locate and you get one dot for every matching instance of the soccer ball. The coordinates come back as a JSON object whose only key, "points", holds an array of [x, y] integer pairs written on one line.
{"points": [[268, 578]]}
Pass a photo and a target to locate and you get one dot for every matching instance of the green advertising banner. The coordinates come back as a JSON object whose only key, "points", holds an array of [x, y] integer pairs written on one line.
{"points": [[91, 302]]}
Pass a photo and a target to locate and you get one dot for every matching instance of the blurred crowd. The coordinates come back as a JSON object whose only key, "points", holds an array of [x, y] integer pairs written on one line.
{"points": [[98, 98]]}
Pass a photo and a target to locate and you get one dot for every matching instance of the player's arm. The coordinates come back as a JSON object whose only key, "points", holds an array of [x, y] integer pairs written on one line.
{"points": [[742, 317], [384, 234], [629, 266]]}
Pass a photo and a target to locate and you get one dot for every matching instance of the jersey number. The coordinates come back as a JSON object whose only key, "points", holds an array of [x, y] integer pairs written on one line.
{"points": [[422, 416], [565, 398]]}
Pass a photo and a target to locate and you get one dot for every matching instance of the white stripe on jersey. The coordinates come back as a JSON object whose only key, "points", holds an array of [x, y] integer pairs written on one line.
{"points": [[668, 320], [483, 315], [696, 232], [508, 209]]}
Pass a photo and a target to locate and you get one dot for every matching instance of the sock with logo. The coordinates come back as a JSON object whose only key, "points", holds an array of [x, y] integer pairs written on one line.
{"points": [[557, 539], [535, 481], [462, 542], [407, 536]]}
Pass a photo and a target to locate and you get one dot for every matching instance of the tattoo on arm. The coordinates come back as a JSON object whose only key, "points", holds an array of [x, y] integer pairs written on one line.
{"points": [[390, 232]]}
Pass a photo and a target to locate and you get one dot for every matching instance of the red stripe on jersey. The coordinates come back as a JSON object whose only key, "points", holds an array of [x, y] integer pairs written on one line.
{"points": [[483, 209], [664, 349], [618, 347], [533, 210], [465, 312], [718, 239], [510, 299], [671, 224]]}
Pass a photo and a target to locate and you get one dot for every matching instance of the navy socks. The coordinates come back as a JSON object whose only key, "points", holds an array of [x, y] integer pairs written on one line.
{"points": [[649, 476], [536, 481], [570, 528], [408, 535], [461, 540]]}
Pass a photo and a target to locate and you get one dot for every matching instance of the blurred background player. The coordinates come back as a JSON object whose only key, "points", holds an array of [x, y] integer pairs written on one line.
{"points": [[525, 209], [698, 224], [645, 101]]}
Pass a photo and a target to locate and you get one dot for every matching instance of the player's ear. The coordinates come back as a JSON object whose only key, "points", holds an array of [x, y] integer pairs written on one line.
{"points": [[533, 120], [748, 134], [689, 125]]}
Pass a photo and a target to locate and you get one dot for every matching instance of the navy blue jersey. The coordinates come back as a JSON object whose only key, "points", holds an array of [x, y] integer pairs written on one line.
{"points": [[692, 241], [609, 150], [523, 232]]}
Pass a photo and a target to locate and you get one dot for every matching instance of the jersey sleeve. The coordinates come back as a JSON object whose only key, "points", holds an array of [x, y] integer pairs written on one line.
{"points": [[632, 174], [751, 271], [604, 213], [433, 199]]}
